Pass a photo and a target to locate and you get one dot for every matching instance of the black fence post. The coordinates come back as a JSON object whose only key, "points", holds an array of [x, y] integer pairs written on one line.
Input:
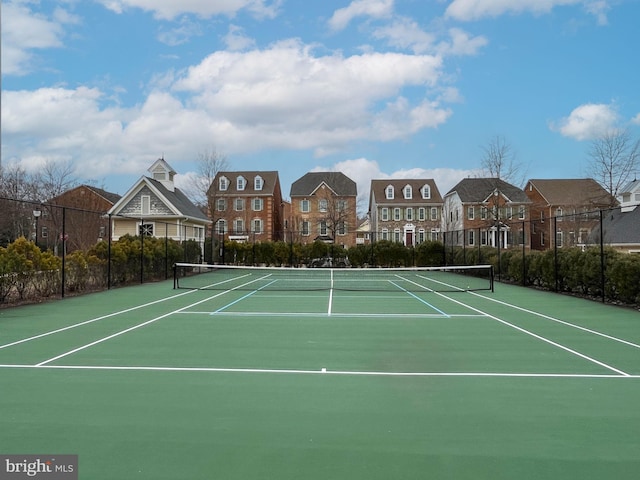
{"points": [[555, 254], [603, 264], [64, 249], [109, 255], [524, 255], [166, 251], [141, 250]]}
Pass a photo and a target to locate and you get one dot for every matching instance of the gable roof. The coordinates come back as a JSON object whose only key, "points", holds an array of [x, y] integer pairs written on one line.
{"points": [[175, 200], [477, 190], [270, 178], [632, 186], [110, 197], [571, 191], [179, 200], [161, 165], [341, 185], [378, 190]]}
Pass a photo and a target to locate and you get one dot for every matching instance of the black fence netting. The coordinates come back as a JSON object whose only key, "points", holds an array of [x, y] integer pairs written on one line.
{"points": [[574, 254], [51, 250]]}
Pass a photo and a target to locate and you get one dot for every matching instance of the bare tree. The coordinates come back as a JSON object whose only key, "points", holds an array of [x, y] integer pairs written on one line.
{"points": [[17, 184], [337, 213], [499, 161], [55, 178], [18, 195], [210, 163], [614, 158]]}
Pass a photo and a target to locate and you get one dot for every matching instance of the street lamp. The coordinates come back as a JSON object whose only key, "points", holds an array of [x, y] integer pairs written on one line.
{"points": [[36, 214]]}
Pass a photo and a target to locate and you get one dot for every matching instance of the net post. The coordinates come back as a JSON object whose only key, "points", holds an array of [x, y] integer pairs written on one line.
{"points": [[491, 278], [175, 276]]}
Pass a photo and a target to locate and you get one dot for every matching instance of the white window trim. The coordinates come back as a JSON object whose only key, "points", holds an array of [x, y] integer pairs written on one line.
{"points": [[389, 192]]}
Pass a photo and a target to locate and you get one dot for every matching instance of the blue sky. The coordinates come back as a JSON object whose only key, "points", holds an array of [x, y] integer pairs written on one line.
{"points": [[373, 88]]}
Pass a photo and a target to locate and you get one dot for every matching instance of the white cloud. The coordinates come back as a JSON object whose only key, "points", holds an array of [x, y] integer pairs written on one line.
{"points": [[281, 97], [468, 10], [24, 31], [170, 9], [236, 40], [285, 96], [358, 8], [636, 120], [599, 9], [405, 33], [462, 43], [180, 33], [363, 170], [588, 121]]}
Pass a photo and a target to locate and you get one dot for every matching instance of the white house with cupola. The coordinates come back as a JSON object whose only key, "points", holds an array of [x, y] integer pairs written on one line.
{"points": [[155, 207]]}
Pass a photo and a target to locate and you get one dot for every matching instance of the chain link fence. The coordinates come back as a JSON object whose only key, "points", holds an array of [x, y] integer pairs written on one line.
{"points": [[51, 250]]}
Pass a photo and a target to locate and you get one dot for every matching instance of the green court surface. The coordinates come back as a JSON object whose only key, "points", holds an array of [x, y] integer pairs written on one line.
{"points": [[149, 382]]}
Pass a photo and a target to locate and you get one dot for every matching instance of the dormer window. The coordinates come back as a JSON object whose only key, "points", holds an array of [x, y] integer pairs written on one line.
{"points": [[241, 183], [426, 192], [389, 192], [223, 183], [408, 192], [258, 183]]}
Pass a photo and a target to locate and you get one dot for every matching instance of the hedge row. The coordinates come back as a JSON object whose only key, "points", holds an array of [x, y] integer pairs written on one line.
{"points": [[28, 274], [382, 254], [567, 270]]}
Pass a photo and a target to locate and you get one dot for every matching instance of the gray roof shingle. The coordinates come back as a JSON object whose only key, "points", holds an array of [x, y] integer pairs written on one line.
{"points": [[475, 190], [179, 200], [338, 182], [621, 227]]}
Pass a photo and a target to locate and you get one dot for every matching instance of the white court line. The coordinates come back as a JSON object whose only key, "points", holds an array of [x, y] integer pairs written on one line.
{"points": [[127, 330], [553, 319], [415, 296], [534, 335], [137, 307], [323, 371], [340, 315], [330, 295], [35, 337], [221, 309]]}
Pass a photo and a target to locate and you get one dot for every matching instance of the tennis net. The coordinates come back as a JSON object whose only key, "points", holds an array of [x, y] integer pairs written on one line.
{"points": [[416, 279]]}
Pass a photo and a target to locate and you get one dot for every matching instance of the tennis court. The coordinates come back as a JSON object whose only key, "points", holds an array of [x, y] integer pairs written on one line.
{"points": [[257, 376]]}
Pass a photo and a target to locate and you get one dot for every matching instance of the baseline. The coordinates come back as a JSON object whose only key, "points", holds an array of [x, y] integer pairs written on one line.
{"points": [[323, 371]]}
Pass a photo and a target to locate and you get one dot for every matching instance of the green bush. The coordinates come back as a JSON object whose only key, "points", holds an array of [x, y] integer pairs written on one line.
{"points": [[28, 274]]}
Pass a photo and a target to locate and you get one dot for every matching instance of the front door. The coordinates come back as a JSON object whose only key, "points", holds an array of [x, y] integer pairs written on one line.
{"points": [[408, 239]]}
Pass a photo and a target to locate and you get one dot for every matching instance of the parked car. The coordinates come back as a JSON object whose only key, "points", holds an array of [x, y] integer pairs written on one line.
{"points": [[329, 262]]}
